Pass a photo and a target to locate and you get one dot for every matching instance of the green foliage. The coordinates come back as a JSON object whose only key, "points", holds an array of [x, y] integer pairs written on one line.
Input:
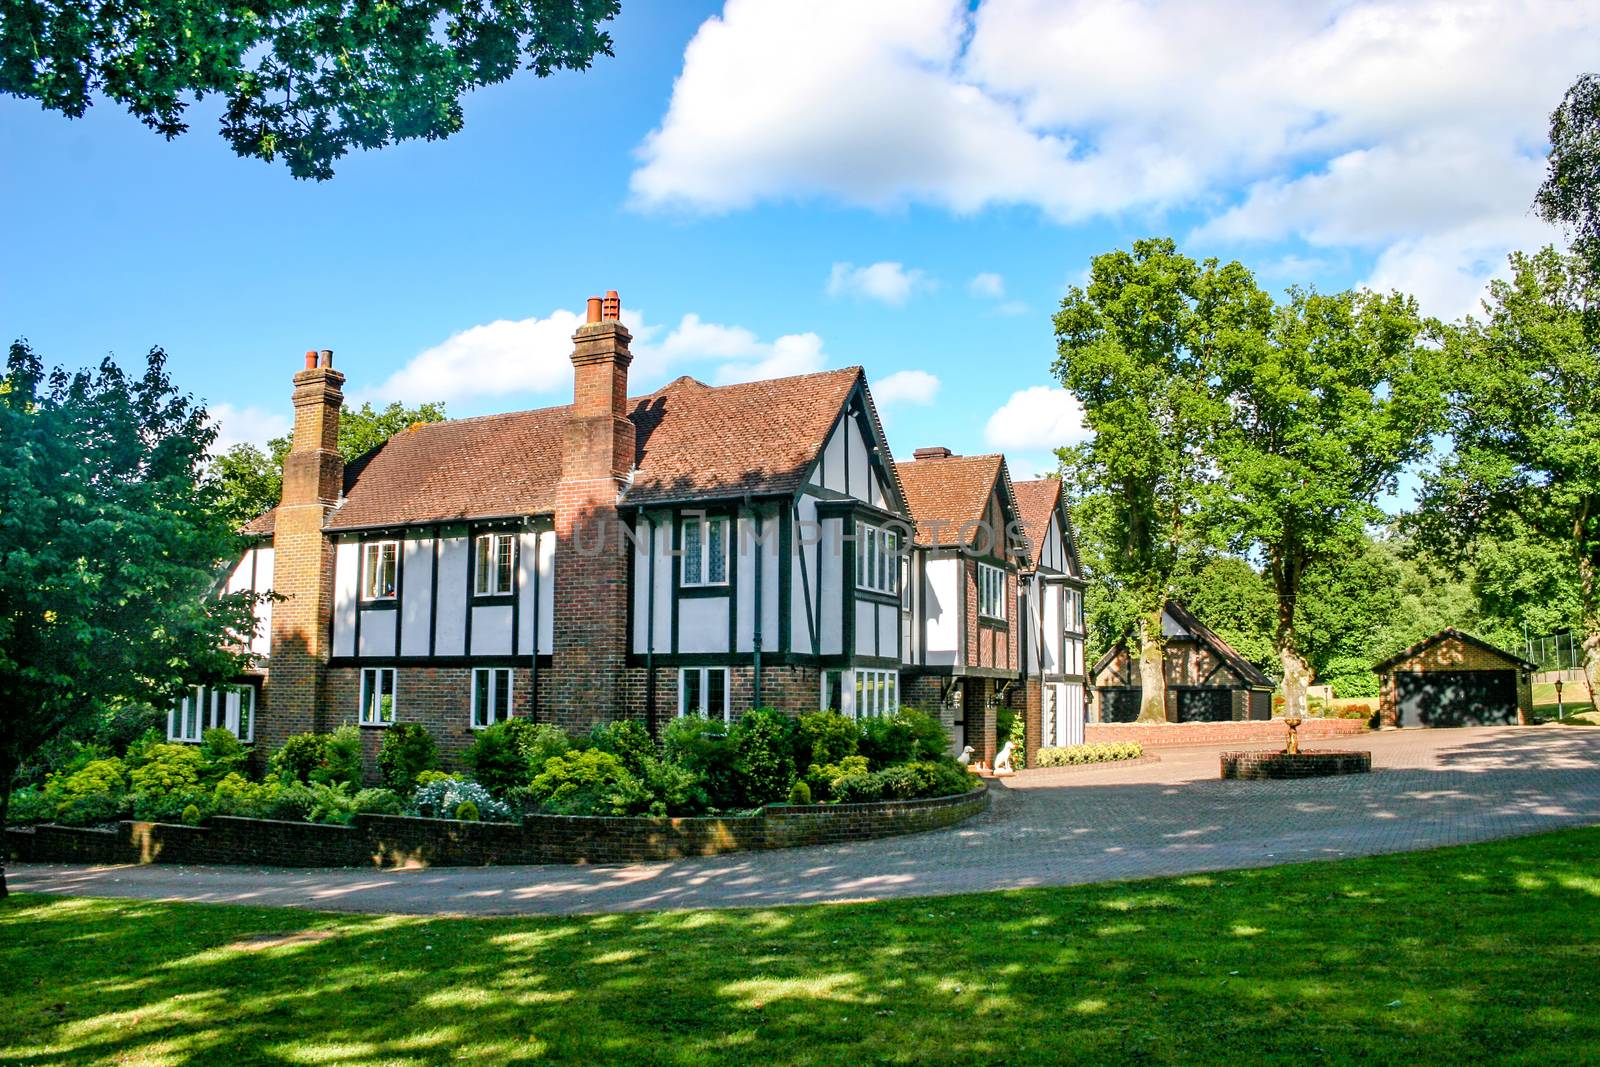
{"points": [[31, 804], [93, 809], [111, 539], [221, 754], [820, 777], [332, 802], [167, 769], [97, 776], [249, 480], [1010, 725], [1234, 599], [763, 765], [1570, 195], [800, 793], [824, 737], [906, 781], [705, 748], [191, 815], [341, 757], [588, 782], [408, 749], [170, 807], [306, 82], [1072, 755], [299, 757], [466, 811], [906, 735], [626, 740], [427, 778], [378, 802], [673, 789], [497, 759]]}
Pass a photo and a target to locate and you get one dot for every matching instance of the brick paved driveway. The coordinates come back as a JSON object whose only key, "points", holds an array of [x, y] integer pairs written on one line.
{"points": [[1058, 827]]}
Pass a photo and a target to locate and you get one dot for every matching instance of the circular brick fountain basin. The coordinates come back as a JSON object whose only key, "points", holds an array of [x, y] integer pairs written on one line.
{"points": [[1263, 766]]}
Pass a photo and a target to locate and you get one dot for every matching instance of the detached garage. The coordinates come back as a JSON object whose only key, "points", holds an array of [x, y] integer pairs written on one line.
{"points": [[1454, 679]]}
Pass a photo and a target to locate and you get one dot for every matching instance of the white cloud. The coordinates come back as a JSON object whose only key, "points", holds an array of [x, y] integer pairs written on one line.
{"points": [[493, 359], [795, 353], [988, 285], [1376, 124], [1039, 417], [905, 387], [886, 281], [246, 425]]}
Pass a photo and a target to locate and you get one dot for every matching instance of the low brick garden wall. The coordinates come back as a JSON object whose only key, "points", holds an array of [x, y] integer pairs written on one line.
{"points": [[1239, 732], [398, 841], [1265, 766]]}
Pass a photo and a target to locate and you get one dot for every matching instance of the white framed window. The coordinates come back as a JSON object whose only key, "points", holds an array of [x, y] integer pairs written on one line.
{"points": [[703, 691], [380, 569], [991, 592], [877, 559], [491, 696], [377, 696], [705, 551], [1072, 611], [232, 708], [877, 693], [832, 691], [494, 564]]}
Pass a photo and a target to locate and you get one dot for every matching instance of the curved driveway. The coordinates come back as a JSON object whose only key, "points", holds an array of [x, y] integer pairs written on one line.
{"points": [[1057, 827]]}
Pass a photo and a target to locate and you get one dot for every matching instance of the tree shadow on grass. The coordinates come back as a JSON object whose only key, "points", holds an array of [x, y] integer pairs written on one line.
{"points": [[1445, 956]]}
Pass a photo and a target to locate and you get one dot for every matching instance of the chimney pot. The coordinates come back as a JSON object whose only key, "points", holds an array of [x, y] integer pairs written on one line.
{"points": [[594, 309], [611, 307], [932, 452], [311, 359], [327, 357]]}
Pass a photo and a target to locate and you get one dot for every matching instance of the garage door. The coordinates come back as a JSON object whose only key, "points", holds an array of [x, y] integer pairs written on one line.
{"points": [[1119, 705], [1205, 705], [1456, 698]]}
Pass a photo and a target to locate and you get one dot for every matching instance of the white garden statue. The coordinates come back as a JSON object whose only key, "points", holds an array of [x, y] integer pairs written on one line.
{"points": [[965, 759], [1002, 762]]}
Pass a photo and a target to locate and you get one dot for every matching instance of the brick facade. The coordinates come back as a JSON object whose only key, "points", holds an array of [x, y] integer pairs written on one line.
{"points": [[1160, 734]]}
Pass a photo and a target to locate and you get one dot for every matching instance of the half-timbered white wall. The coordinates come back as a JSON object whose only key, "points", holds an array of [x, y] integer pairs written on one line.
{"points": [[434, 612], [704, 620], [845, 466], [940, 590], [253, 573]]}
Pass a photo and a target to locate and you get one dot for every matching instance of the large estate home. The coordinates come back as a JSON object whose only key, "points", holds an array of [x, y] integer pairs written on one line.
{"points": [[698, 550]]}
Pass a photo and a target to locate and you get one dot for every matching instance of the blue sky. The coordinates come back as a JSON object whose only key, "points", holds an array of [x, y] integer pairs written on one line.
{"points": [[776, 187]]}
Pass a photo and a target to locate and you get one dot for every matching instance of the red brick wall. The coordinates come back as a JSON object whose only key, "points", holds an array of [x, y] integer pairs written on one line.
{"points": [[1155, 735]]}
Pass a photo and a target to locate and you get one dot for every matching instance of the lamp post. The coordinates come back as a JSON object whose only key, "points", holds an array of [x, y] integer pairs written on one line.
{"points": [[1561, 709]]}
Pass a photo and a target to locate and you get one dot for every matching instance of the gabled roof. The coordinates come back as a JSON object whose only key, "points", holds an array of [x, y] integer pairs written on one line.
{"points": [[952, 492], [1460, 635], [694, 442], [1038, 501], [1205, 635]]}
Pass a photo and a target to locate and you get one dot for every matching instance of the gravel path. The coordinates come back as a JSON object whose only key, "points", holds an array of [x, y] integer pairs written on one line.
{"points": [[1057, 827]]}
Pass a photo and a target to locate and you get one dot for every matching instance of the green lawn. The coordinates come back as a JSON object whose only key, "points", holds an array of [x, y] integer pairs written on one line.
{"points": [[1480, 953], [1575, 696]]}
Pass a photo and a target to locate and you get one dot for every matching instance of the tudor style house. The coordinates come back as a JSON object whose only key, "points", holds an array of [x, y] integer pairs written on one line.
{"points": [[1051, 609], [1207, 679], [695, 551]]}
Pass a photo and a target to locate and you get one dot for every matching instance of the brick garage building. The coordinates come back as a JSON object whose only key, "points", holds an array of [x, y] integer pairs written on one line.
{"points": [[1454, 679], [1207, 679]]}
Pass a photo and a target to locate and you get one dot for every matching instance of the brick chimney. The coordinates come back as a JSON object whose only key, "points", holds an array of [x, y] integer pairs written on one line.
{"points": [[933, 452], [591, 591], [313, 479]]}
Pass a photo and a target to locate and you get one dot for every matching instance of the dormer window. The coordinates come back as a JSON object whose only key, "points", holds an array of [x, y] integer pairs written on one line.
{"points": [[705, 551], [380, 569], [493, 565]]}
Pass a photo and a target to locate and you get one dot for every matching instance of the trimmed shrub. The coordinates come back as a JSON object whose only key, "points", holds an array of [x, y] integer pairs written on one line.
{"points": [[906, 781], [590, 782], [763, 743], [221, 754], [439, 800], [167, 769], [332, 802], [169, 807], [408, 749], [467, 811], [800, 793], [102, 776], [289, 801], [427, 778], [820, 778], [299, 756], [1072, 755], [673, 789], [341, 760], [823, 737], [626, 740], [508, 754], [858, 789], [191, 815], [91, 809]]}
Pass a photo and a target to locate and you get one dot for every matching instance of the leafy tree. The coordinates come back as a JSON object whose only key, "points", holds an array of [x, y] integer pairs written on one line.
{"points": [[1329, 401], [1134, 349], [110, 542], [252, 480], [1525, 421], [1234, 599], [1570, 195], [307, 81]]}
